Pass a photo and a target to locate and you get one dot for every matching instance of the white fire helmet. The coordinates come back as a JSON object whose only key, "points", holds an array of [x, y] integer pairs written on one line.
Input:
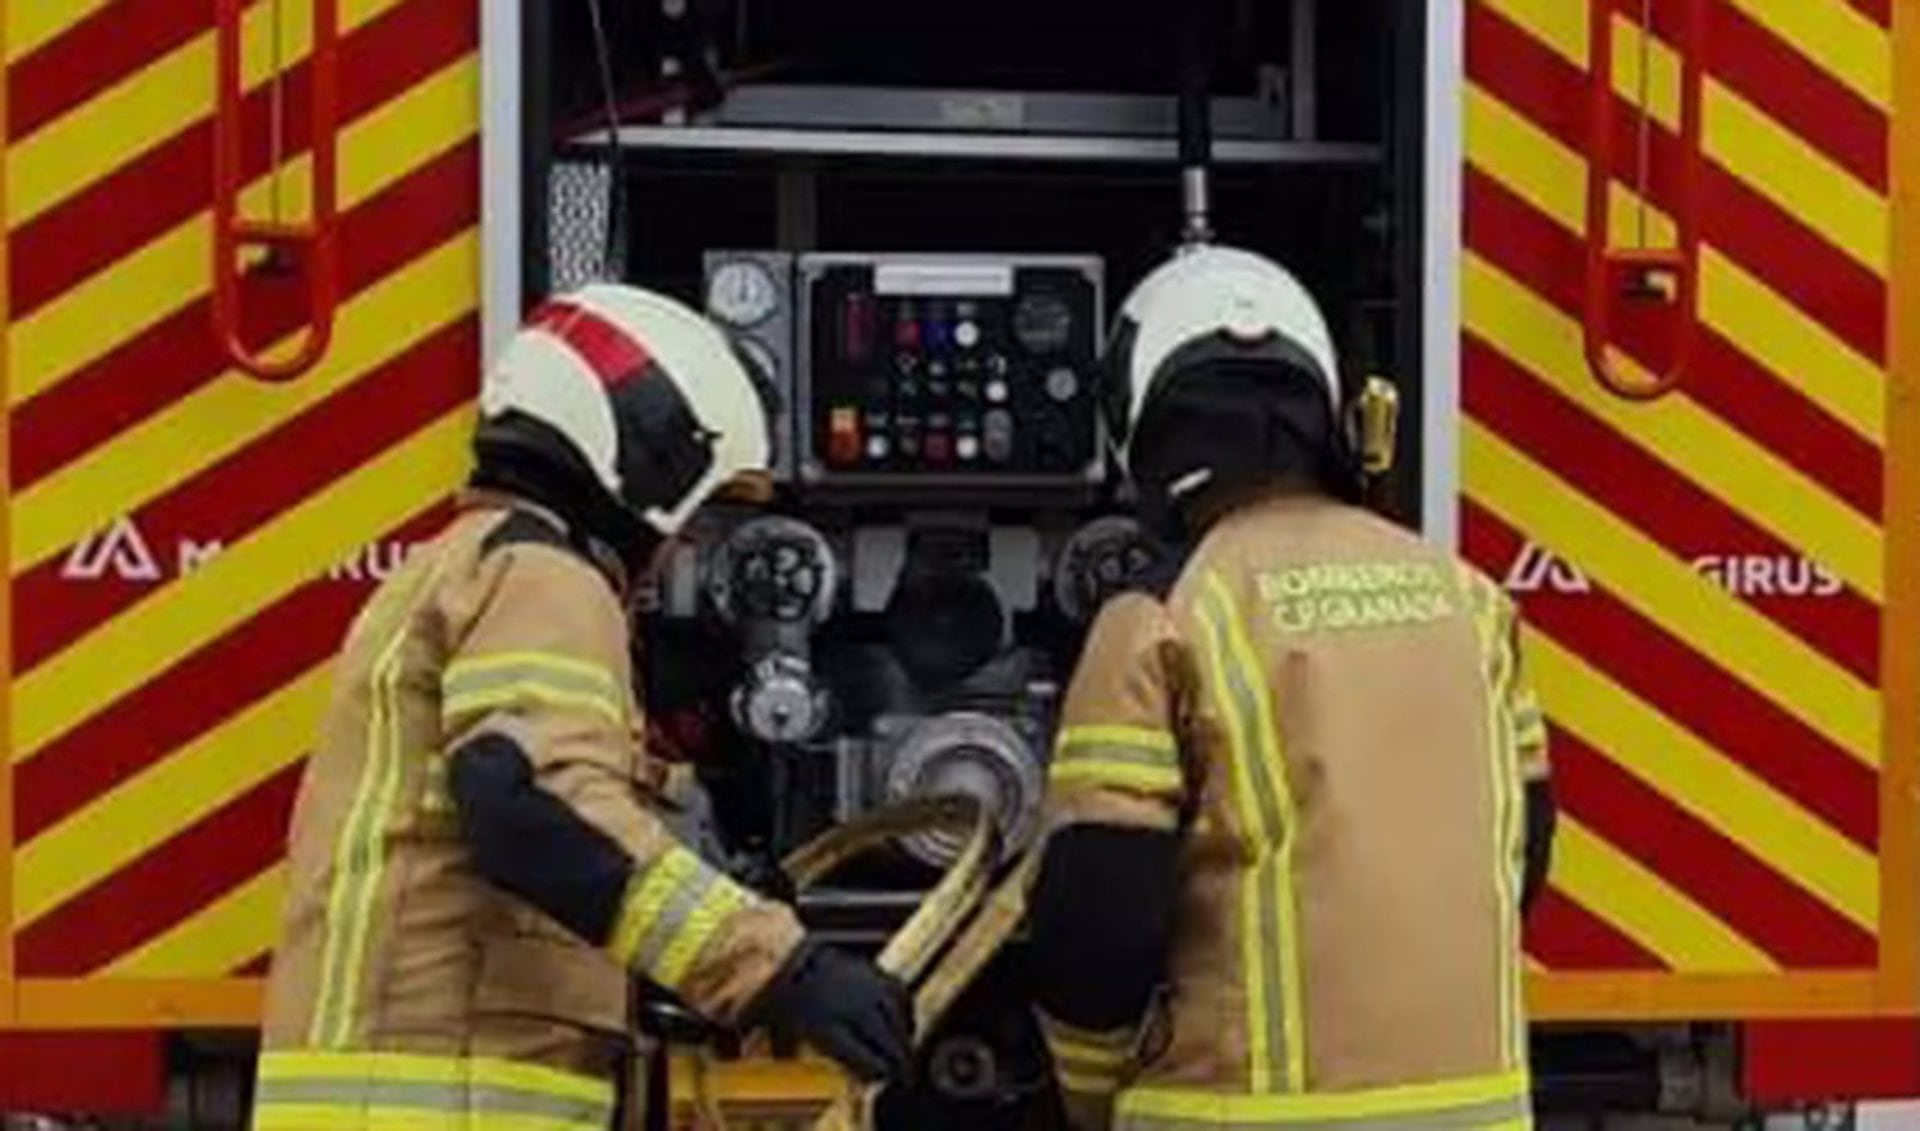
{"points": [[1207, 305], [649, 394]]}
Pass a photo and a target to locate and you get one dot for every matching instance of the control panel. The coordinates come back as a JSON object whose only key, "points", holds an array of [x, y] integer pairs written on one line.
{"points": [[968, 370]]}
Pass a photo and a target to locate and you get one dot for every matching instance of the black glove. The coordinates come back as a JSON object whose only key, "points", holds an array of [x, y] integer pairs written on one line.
{"points": [[845, 1007]]}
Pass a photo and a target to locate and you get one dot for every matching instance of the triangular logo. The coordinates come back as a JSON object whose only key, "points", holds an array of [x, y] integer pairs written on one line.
{"points": [[120, 551], [1537, 568]]}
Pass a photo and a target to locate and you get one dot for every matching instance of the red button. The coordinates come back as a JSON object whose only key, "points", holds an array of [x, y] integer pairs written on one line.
{"points": [[906, 335], [939, 447], [843, 437]]}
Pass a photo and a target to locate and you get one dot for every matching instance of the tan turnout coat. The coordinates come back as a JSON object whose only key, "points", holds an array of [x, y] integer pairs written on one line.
{"points": [[408, 992], [1334, 713]]}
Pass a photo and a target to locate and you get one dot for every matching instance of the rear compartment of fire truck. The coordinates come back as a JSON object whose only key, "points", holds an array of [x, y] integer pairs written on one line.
{"points": [[917, 219]]}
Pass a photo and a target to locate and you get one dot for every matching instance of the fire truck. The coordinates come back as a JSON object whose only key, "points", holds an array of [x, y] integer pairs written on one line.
{"points": [[1635, 268]]}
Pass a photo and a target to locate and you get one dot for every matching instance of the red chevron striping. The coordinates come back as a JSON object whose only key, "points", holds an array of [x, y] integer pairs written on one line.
{"points": [[1768, 241], [1880, 11], [174, 879], [255, 967], [1787, 86], [1565, 936], [110, 219], [1549, 260], [94, 54], [177, 356], [1768, 909], [1664, 506], [248, 489], [202, 689], [1645, 659]]}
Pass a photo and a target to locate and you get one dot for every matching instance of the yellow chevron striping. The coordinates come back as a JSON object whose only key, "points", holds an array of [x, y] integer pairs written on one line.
{"points": [[1835, 38], [136, 646], [1675, 430], [1646, 908], [156, 103], [172, 271], [1507, 147], [169, 795], [1559, 24], [32, 24], [1746, 142], [1771, 330], [153, 457], [226, 934], [1742, 806], [1805, 183], [1748, 645]]}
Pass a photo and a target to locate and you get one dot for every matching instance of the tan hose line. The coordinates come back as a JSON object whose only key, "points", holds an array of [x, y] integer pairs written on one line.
{"points": [[946, 915]]}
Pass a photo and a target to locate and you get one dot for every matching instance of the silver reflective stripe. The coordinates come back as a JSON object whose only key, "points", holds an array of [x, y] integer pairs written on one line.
{"points": [[1478, 1117], [416, 1095], [679, 908]]}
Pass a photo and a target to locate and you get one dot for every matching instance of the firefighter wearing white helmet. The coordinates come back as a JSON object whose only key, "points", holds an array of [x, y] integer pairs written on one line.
{"points": [[477, 868], [1298, 801]]}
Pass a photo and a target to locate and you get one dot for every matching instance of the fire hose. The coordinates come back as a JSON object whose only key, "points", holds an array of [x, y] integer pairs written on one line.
{"points": [[942, 947]]}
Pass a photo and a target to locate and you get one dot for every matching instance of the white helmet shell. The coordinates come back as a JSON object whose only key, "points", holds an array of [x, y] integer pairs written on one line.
{"points": [[565, 369], [1208, 291]]}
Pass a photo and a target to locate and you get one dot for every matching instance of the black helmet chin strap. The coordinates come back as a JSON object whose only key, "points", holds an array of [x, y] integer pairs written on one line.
{"points": [[519, 456]]}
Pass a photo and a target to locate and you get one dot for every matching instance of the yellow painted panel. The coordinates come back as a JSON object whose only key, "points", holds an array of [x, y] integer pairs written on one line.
{"points": [[153, 457], [1647, 909], [146, 108], [1665, 589], [247, 577], [1770, 825], [232, 931], [167, 797], [1836, 38], [175, 270], [1675, 430], [32, 24]]}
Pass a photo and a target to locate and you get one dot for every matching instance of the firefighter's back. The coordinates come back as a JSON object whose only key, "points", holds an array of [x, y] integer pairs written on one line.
{"points": [[1349, 944]]}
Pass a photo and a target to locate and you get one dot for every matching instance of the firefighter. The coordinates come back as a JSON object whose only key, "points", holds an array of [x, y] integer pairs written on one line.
{"points": [[477, 867], [1299, 800]]}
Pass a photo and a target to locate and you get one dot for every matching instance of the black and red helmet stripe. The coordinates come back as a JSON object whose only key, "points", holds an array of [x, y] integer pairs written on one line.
{"points": [[613, 355]]}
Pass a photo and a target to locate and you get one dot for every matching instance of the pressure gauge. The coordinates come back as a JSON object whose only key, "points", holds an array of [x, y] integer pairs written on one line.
{"points": [[742, 293]]}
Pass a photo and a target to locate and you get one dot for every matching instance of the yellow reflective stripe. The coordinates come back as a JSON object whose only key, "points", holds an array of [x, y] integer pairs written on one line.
{"points": [[315, 1064], [1136, 758], [1476, 1102], [709, 916], [357, 860], [305, 1089], [1140, 738], [671, 911], [1157, 780], [1084, 1061], [1269, 935], [1270, 769], [1493, 623], [505, 680]]}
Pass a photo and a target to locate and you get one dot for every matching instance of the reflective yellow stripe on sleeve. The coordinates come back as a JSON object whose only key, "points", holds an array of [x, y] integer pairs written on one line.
{"points": [[1473, 1104], [1084, 1061], [1133, 758], [672, 909], [475, 686], [311, 1091]]}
